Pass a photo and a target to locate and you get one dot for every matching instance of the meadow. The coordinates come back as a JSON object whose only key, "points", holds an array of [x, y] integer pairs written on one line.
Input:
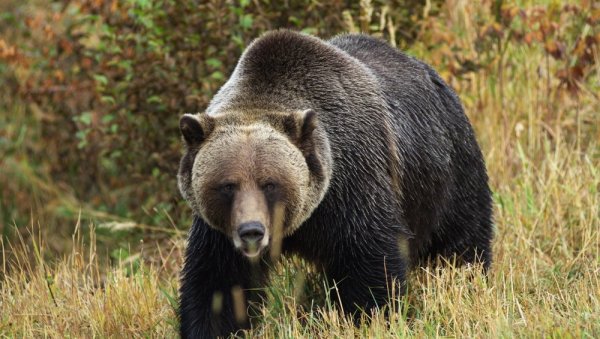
{"points": [[92, 241]]}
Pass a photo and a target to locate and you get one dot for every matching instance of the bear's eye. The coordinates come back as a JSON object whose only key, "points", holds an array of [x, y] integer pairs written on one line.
{"points": [[269, 187], [227, 188]]}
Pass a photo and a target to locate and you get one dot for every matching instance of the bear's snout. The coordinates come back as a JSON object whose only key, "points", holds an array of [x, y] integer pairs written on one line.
{"points": [[251, 238], [250, 222], [251, 233]]}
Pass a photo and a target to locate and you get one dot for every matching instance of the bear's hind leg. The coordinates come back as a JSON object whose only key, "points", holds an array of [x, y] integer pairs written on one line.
{"points": [[368, 278], [463, 246]]}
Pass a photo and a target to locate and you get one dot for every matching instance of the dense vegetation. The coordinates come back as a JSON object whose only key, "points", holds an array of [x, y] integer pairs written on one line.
{"points": [[93, 226]]}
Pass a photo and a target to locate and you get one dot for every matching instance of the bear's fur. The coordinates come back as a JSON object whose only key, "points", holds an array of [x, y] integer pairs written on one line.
{"points": [[351, 154]]}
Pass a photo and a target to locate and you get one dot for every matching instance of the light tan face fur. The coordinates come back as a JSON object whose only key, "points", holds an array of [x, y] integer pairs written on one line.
{"points": [[243, 173], [254, 167]]}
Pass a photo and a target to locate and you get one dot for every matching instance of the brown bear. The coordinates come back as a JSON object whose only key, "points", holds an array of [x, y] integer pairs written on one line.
{"points": [[345, 152]]}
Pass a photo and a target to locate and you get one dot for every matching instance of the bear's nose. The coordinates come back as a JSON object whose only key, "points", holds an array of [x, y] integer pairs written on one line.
{"points": [[251, 232]]}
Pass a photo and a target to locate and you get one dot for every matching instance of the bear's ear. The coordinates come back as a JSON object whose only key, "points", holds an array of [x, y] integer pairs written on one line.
{"points": [[300, 127], [195, 128]]}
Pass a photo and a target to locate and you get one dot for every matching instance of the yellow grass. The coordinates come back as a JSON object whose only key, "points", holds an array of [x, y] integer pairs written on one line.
{"points": [[541, 148], [74, 297]]}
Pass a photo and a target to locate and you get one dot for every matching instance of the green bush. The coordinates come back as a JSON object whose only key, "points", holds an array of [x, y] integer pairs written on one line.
{"points": [[104, 82], [109, 80]]}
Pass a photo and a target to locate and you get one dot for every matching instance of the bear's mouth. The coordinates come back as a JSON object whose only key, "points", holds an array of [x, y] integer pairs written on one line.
{"points": [[251, 254], [250, 249]]}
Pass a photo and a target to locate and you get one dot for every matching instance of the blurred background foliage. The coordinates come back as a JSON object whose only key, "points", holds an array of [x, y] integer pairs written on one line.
{"points": [[92, 90]]}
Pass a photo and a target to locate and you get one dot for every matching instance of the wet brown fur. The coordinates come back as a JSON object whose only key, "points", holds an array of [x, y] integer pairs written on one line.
{"points": [[377, 165]]}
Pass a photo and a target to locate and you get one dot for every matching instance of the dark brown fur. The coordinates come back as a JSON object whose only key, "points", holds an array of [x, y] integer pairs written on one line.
{"points": [[377, 165]]}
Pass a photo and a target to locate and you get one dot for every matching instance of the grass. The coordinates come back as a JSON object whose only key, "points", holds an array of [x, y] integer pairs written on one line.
{"points": [[74, 297], [542, 153]]}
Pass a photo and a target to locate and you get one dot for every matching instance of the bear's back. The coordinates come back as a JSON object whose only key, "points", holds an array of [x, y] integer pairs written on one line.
{"points": [[407, 83], [435, 138], [285, 70]]}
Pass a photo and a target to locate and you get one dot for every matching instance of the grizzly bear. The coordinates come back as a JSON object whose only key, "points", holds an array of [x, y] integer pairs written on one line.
{"points": [[347, 153]]}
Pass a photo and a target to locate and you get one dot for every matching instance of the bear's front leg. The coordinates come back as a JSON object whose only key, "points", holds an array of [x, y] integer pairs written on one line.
{"points": [[213, 300], [366, 278]]}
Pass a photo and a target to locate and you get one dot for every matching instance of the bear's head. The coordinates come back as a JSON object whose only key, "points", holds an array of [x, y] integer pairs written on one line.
{"points": [[255, 176]]}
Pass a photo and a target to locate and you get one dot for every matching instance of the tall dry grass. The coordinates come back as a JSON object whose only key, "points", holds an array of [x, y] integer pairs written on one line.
{"points": [[542, 153], [74, 296]]}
